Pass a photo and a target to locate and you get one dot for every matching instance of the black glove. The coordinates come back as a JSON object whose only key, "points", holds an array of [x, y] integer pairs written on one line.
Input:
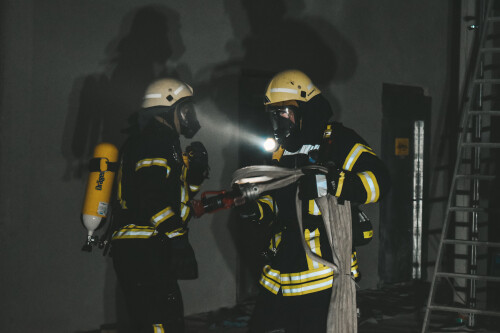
{"points": [[183, 260], [198, 163], [249, 211]]}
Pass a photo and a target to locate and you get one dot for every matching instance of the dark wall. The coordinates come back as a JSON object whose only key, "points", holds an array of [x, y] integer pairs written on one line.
{"points": [[73, 71]]}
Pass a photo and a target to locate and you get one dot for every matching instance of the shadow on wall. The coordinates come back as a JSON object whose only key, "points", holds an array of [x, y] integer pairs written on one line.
{"points": [[101, 104], [268, 39]]}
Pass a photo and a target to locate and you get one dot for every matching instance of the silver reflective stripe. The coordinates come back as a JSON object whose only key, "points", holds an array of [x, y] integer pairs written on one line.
{"points": [[315, 209], [303, 150], [194, 188], [321, 185], [176, 233], [184, 210], [269, 285], [348, 166], [151, 161], [133, 233], [285, 90], [271, 272], [152, 96], [267, 200], [369, 180], [178, 90], [305, 289], [301, 277], [158, 328], [312, 245], [162, 215]]}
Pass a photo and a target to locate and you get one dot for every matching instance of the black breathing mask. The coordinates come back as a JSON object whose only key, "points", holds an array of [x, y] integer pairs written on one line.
{"points": [[188, 121], [285, 120]]}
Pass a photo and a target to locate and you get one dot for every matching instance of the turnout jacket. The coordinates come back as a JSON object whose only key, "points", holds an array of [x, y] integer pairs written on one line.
{"points": [[361, 178], [152, 185]]}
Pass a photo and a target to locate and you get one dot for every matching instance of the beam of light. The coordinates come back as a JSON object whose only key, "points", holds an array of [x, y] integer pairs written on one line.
{"points": [[226, 130]]}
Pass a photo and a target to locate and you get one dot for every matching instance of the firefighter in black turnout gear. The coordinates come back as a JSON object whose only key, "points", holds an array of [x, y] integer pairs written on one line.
{"points": [[296, 290], [151, 250]]}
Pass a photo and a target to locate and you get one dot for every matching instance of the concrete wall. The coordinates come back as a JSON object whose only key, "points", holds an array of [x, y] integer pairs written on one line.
{"points": [[73, 71]]}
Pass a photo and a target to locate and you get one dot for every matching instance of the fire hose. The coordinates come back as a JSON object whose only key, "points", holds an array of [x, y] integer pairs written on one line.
{"points": [[250, 182]]}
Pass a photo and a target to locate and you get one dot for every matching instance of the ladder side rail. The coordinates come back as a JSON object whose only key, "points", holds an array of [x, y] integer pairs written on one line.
{"points": [[465, 107]]}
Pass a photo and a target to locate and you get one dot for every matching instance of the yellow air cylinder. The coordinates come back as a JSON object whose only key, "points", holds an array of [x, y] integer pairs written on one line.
{"points": [[99, 186]]}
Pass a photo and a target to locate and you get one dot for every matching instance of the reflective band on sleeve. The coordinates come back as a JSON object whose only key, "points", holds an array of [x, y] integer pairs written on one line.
{"points": [[194, 188], [368, 234], [277, 241], [267, 200], [269, 285], [148, 96], [307, 288], [176, 232], [162, 216], [285, 90], [272, 273], [178, 90], [340, 184], [371, 186], [354, 154], [158, 328]]}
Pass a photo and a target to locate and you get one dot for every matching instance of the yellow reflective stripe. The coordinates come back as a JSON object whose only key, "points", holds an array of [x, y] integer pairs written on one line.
{"points": [[277, 241], [176, 232], [158, 328], [371, 186], [133, 231], [185, 211], [194, 188], [183, 176], [313, 208], [312, 239], [354, 154], [328, 131], [162, 216], [152, 161], [261, 212], [271, 273], [368, 234], [306, 276], [267, 200], [340, 184], [307, 288], [269, 284]]}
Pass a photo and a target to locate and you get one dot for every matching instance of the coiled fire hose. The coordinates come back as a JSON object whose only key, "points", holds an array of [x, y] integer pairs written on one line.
{"points": [[255, 180]]}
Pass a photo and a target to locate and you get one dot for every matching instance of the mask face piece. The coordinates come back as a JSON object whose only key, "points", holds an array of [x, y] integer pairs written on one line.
{"points": [[187, 119], [284, 121]]}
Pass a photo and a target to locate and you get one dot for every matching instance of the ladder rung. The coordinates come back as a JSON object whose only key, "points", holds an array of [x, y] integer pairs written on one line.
{"points": [[481, 144], [465, 310], [490, 49], [487, 81], [467, 209], [467, 242], [476, 176], [469, 276], [484, 113]]}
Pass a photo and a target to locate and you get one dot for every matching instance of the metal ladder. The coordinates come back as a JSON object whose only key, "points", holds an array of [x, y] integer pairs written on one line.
{"points": [[471, 144]]}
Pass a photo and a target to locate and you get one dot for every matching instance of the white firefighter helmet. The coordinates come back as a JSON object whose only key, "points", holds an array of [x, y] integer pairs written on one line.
{"points": [[166, 92], [289, 85]]}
